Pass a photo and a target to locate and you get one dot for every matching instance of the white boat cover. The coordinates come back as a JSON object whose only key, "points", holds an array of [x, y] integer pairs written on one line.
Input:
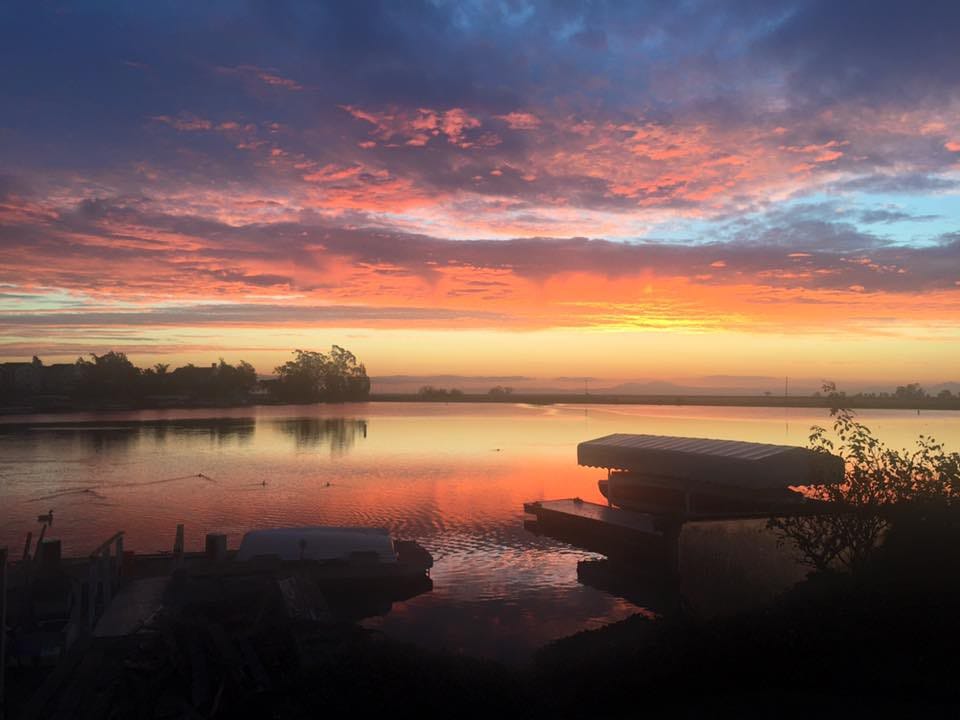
{"points": [[317, 543], [715, 462]]}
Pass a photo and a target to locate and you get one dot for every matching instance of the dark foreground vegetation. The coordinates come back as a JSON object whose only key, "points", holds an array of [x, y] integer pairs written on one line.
{"points": [[833, 646], [112, 381]]}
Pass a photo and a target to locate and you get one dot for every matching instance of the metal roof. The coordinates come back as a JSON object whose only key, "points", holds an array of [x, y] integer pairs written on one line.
{"points": [[708, 461]]}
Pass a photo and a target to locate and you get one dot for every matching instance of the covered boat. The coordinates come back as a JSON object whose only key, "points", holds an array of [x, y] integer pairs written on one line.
{"points": [[318, 543], [706, 477], [339, 558]]}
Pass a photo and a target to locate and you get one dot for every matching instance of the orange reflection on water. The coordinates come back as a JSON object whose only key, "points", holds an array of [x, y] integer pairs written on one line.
{"points": [[453, 477]]}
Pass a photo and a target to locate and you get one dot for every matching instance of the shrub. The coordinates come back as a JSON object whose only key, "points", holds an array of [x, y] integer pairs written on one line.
{"points": [[881, 486]]}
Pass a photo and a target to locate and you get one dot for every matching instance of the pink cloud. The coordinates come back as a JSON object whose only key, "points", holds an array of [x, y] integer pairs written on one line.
{"points": [[520, 120], [416, 128]]}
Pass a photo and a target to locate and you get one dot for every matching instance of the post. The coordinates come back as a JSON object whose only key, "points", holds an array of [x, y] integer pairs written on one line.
{"points": [[91, 592], [119, 546], [26, 546], [178, 547], [3, 632], [216, 546], [105, 576], [671, 546]]}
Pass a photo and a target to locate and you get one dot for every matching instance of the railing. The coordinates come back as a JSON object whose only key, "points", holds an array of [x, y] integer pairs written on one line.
{"points": [[103, 575]]}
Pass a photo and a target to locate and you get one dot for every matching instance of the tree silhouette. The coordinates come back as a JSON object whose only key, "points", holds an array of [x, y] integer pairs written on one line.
{"points": [[314, 376]]}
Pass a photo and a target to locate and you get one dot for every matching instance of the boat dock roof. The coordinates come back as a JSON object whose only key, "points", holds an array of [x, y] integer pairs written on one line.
{"points": [[715, 462]]}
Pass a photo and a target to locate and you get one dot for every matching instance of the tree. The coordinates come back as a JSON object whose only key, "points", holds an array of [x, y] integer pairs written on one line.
{"points": [[429, 392], [913, 391], [314, 376], [882, 487], [109, 377]]}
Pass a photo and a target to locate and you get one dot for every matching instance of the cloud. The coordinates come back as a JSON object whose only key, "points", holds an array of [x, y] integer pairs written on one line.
{"points": [[186, 122], [244, 314], [656, 163], [124, 245], [417, 127], [517, 120], [889, 216], [269, 77]]}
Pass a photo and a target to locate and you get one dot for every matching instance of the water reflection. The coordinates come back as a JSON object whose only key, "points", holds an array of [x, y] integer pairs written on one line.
{"points": [[452, 477], [218, 430], [339, 434], [120, 436]]}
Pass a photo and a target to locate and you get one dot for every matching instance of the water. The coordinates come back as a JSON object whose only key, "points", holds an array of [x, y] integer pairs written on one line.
{"points": [[453, 477]]}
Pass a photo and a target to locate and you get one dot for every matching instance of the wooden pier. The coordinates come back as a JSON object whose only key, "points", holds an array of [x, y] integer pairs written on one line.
{"points": [[647, 539]]}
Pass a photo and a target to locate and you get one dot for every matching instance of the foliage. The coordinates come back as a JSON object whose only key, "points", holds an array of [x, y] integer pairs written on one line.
{"points": [[314, 376], [911, 391], [500, 391], [879, 485], [112, 379], [110, 376], [429, 392]]}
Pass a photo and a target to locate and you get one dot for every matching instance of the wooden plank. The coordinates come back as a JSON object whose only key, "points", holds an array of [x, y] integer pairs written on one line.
{"points": [[604, 530], [133, 606], [593, 512]]}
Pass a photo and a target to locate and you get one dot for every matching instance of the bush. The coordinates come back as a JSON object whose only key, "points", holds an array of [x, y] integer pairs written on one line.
{"points": [[882, 486]]}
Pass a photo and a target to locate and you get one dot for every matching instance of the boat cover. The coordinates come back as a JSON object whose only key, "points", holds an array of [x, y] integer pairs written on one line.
{"points": [[317, 543], [716, 462]]}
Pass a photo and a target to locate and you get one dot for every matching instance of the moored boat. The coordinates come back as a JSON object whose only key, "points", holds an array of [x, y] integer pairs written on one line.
{"points": [[700, 477]]}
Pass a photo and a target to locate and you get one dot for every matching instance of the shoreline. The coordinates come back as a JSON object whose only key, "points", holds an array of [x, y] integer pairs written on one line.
{"points": [[800, 401]]}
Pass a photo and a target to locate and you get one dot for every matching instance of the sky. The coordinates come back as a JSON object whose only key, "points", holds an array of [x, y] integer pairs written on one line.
{"points": [[636, 190]]}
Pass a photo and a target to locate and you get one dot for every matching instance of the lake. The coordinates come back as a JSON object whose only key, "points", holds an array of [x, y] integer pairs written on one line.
{"points": [[452, 476]]}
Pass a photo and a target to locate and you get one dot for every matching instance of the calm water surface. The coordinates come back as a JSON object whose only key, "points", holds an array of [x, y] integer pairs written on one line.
{"points": [[454, 477]]}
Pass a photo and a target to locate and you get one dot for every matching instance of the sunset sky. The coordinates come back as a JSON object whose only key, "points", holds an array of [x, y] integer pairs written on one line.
{"points": [[632, 190]]}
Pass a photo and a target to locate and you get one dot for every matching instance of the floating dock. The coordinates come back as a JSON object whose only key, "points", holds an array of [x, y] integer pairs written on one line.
{"points": [[606, 530], [656, 483]]}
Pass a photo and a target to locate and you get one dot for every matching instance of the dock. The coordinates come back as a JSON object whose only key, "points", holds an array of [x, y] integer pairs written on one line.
{"points": [[208, 630], [641, 537], [657, 483]]}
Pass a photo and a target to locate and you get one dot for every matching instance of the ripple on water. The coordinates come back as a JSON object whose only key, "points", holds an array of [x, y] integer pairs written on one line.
{"points": [[426, 472]]}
